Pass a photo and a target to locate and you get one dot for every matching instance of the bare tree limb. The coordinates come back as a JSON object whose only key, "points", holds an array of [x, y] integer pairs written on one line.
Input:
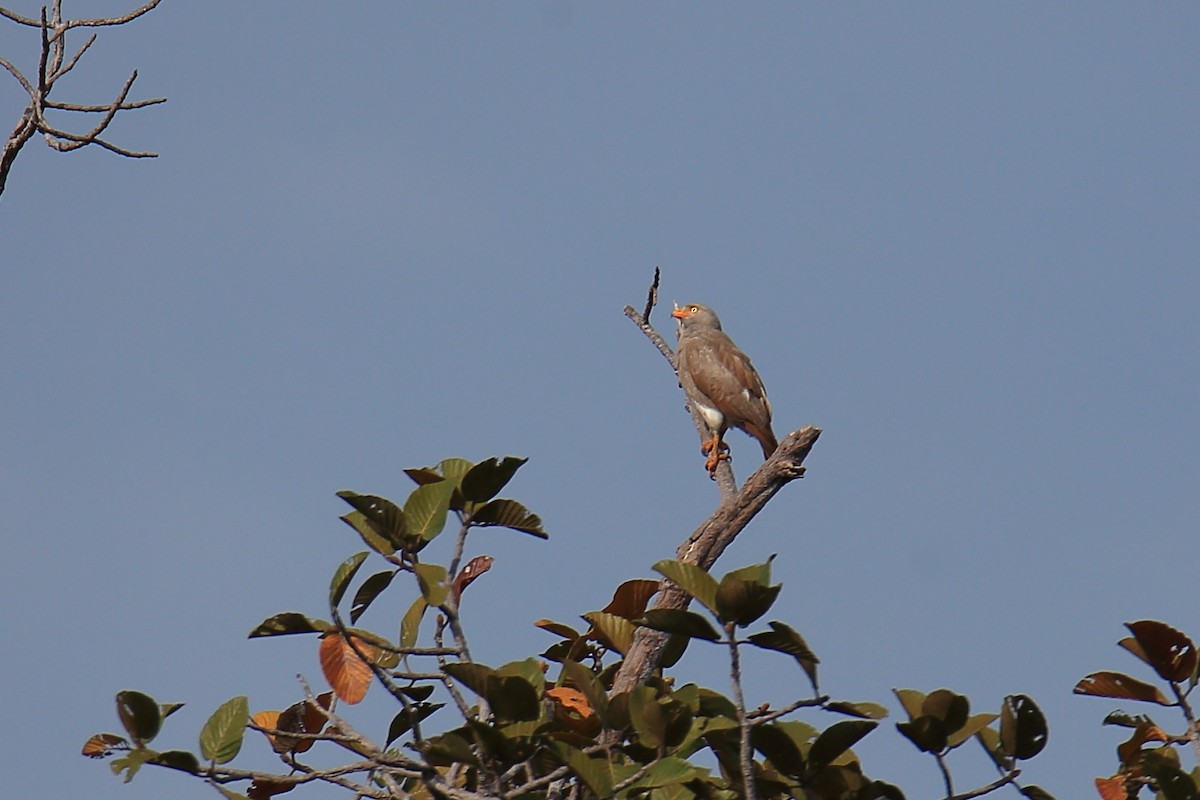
{"points": [[705, 545], [51, 67]]}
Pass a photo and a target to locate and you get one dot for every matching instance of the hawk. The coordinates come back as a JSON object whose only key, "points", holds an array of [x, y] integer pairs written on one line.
{"points": [[721, 383]]}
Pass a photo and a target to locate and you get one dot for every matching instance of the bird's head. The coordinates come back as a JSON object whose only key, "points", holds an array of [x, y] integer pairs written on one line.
{"points": [[694, 315]]}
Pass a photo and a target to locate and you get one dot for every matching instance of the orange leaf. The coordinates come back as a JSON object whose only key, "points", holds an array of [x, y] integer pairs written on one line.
{"points": [[1130, 751], [1120, 686], [348, 675], [1111, 788], [573, 711], [103, 744], [631, 598], [571, 699], [268, 719]]}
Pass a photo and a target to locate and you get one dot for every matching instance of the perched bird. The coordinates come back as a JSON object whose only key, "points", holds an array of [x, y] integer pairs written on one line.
{"points": [[721, 383]]}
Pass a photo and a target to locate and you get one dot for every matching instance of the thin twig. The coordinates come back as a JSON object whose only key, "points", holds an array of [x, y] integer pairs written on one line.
{"points": [[1003, 780], [745, 749]]}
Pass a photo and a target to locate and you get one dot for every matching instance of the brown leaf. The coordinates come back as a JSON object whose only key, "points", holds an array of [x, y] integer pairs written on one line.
{"points": [[269, 719], [1120, 686], [1169, 651], [348, 675], [631, 598], [103, 744], [474, 568], [263, 790], [1130, 751], [1111, 788]]}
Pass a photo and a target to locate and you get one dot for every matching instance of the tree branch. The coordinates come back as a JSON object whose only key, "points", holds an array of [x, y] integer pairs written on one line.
{"points": [[705, 545], [53, 29]]}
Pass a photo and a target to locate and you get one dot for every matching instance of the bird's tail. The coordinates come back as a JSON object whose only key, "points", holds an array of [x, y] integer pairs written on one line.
{"points": [[766, 438]]}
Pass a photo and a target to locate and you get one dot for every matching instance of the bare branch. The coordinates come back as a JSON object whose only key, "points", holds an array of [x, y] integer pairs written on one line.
{"points": [[101, 22], [16, 73], [705, 545], [17, 18], [53, 29], [74, 59]]}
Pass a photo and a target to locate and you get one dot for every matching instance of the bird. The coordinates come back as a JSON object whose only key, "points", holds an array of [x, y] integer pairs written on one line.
{"points": [[721, 383]]}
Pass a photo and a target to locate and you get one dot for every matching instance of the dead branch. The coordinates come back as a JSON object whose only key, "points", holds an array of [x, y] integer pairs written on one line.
{"points": [[53, 65], [705, 544]]}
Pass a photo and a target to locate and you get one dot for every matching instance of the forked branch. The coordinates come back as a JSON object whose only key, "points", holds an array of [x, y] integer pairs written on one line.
{"points": [[53, 64]]}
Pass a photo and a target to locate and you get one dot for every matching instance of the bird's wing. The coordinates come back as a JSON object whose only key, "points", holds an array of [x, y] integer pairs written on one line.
{"points": [[724, 374]]}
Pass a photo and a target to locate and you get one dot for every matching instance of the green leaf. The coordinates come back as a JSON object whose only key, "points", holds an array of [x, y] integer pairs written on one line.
{"points": [[780, 748], [432, 580], [383, 518], [675, 620], [485, 480], [359, 522], [509, 514], [597, 773], [229, 794], [528, 669], [221, 736], [1036, 793], [181, 760], [512, 698], [448, 749], [615, 633], [140, 715], [410, 625], [343, 576], [647, 716], [989, 739], [911, 700], [131, 762], [472, 675], [1023, 730], [969, 728], [369, 590], [755, 573], [927, 732], [742, 601], [419, 691], [673, 650], [287, 623], [403, 722], [427, 507], [785, 639], [167, 709], [692, 579], [862, 710], [669, 771], [1173, 782], [586, 682], [951, 708], [835, 740]]}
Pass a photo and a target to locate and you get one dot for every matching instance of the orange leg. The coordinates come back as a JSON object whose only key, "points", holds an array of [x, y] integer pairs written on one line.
{"points": [[716, 450]]}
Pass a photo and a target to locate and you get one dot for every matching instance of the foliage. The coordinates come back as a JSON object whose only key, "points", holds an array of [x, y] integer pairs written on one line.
{"points": [[1148, 759], [551, 726]]}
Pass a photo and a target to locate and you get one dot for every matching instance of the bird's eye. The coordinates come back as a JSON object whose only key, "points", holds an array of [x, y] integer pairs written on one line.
{"points": [[693, 309]]}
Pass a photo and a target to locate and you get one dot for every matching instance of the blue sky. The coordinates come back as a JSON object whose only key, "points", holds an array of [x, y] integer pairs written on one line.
{"points": [[960, 238]]}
